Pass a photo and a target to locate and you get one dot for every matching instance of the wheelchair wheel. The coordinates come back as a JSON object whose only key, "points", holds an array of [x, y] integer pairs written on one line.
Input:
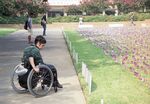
{"points": [[39, 84], [15, 82]]}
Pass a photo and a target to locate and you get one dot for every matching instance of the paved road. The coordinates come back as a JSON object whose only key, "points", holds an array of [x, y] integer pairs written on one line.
{"points": [[56, 53]]}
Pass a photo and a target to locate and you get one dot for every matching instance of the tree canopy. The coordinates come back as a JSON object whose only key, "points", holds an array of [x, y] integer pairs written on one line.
{"points": [[21, 7], [93, 7]]}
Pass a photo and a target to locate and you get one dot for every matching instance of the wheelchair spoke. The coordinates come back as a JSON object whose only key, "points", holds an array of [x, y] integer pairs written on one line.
{"points": [[35, 78], [36, 74], [44, 72]]}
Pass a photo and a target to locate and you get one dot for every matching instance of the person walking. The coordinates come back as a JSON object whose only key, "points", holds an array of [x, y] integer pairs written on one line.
{"points": [[81, 20], [43, 23], [29, 28]]}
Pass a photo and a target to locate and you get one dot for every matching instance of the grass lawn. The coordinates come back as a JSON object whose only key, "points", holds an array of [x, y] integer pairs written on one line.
{"points": [[111, 81], [6, 31]]}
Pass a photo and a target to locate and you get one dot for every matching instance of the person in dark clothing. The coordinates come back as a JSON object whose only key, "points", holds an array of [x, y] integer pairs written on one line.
{"points": [[43, 23], [29, 25], [32, 58]]}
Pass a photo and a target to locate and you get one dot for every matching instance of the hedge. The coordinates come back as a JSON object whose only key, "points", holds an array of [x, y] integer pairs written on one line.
{"points": [[96, 18]]}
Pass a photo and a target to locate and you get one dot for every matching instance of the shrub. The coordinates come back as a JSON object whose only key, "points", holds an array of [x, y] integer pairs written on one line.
{"points": [[96, 18]]}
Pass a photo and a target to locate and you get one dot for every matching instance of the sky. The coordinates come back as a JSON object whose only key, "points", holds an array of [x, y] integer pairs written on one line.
{"points": [[63, 2]]}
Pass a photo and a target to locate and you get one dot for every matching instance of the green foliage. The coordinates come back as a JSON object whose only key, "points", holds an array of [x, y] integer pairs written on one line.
{"points": [[32, 8], [101, 18], [21, 7], [12, 20], [65, 19], [147, 3], [74, 10], [93, 7], [6, 31], [17, 20], [126, 6], [7, 7], [96, 18]]}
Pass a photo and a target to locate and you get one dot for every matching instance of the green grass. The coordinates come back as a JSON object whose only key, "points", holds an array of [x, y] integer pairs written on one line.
{"points": [[6, 31], [110, 80]]}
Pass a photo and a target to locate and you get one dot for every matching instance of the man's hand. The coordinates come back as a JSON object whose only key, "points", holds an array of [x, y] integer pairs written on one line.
{"points": [[36, 69]]}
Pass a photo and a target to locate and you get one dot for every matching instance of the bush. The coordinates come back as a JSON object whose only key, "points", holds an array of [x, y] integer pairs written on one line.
{"points": [[17, 20], [96, 18], [12, 20], [101, 18], [65, 19]]}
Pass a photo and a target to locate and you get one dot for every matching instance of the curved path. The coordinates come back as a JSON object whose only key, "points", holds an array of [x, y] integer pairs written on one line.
{"points": [[55, 52]]}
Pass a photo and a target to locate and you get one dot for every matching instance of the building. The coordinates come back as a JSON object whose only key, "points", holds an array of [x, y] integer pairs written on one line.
{"points": [[58, 7]]}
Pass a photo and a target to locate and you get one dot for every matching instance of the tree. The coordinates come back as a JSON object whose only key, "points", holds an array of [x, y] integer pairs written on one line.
{"points": [[74, 10], [7, 7], [19, 7], [130, 5], [93, 7], [31, 7], [147, 4]]}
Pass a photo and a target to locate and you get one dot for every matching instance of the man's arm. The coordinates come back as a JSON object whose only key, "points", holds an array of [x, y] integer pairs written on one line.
{"points": [[31, 60]]}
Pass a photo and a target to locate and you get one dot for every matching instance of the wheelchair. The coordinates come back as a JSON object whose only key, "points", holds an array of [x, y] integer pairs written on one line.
{"points": [[37, 83]]}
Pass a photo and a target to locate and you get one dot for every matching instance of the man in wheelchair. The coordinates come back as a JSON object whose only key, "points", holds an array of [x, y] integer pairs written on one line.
{"points": [[32, 58]]}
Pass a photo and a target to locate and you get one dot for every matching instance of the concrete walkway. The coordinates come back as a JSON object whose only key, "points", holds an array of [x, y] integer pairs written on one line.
{"points": [[56, 53]]}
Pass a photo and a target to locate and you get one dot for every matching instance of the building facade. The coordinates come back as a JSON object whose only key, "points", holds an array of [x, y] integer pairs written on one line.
{"points": [[58, 7]]}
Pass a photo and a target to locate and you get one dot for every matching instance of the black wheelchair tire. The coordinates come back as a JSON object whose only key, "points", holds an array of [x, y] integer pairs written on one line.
{"points": [[22, 90], [30, 85]]}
